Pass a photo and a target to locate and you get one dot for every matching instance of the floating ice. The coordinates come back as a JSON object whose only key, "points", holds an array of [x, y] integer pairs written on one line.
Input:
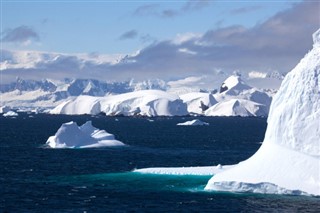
{"points": [[195, 122], [70, 135], [199, 170], [10, 114], [288, 162]]}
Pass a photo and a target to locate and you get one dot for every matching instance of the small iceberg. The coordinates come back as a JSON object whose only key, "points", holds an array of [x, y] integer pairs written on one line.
{"points": [[70, 135], [195, 122], [10, 114]]}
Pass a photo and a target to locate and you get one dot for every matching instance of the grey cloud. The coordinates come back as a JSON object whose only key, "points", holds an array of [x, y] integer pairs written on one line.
{"points": [[131, 34], [276, 44], [20, 34], [193, 5], [169, 13], [147, 10], [242, 10], [156, 10]]}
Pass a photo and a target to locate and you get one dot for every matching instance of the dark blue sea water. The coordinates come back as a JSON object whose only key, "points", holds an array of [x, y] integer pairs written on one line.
{"points": [[35, 179]]}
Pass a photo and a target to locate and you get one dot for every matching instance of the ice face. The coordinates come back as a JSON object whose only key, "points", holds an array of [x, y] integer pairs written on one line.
{"points": [[294, 118]]}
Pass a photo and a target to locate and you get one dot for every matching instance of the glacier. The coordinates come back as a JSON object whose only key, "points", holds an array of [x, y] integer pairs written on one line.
{"points": [[238, 99], [288, 162], [144, 103], [70, 135]]}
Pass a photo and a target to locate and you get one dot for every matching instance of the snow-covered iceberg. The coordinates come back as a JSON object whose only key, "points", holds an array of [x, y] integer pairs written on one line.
{"points": [[145, 103], [288, 162], [10, 114], [195, 122], [70, 135]]}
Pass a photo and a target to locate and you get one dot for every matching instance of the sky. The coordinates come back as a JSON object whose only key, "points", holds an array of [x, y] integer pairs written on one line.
{"points": [[163, 39]]}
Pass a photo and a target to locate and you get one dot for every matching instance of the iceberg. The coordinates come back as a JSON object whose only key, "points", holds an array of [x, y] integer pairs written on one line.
{"points": [[288, 162], [195, 122], [70, 135], [10, 114]]}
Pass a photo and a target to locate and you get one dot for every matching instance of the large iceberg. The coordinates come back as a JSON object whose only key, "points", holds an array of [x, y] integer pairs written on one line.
{"points": [[70, 135], [289, 159]]}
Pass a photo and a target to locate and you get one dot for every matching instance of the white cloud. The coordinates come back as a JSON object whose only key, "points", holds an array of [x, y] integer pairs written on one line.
{"points": [[255, 74], [187, 51], [184, 37]]}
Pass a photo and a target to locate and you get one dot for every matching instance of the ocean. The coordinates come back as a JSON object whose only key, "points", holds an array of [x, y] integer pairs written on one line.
{"points": [[38, 179]]}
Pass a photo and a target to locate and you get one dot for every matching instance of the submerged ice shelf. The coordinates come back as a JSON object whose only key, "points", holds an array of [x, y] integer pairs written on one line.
{"points": [[70, 135]]}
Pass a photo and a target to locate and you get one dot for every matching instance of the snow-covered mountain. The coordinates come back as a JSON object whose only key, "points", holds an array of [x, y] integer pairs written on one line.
{"points": [[145, 103], [236, 98], [48, 93]]}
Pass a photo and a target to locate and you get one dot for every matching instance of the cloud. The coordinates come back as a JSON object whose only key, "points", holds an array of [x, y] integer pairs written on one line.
{"points": [[243, 10], [22, 34], [193, 5], [156, 10], [146, 10], [131, 34], [169, 13], [275, 44]]}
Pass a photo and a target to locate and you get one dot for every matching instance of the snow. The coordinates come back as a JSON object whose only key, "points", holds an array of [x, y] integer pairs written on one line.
{"points": [[145, 102], [194, 99], [70, 135], [288, 162], [199, 170], [237, 107], [10, 114], [195, 122], [233, 85]]}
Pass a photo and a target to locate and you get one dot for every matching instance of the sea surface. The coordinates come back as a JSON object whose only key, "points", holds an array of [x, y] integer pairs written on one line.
{"points": [[37, 179]]}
